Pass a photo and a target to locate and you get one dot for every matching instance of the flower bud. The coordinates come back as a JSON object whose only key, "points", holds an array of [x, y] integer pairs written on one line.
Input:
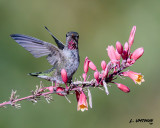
{"points": [[92, 66], [86, 64], [137, 53], [119, 47], [96, 76], [103, 65], [123, 87], [64, 75], [131, 37], [111, 54], [126, 47]]}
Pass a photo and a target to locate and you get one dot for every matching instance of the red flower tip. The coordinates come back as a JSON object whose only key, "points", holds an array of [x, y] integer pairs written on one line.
{"points": [[103, 65], [92, 66], [137, 53], [60, 89], [131, 37], [64, 75], [123, 87], [86, 64], [119, 47]]}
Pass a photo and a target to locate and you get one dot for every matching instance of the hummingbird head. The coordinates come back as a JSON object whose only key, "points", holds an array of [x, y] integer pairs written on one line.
{"points": [[72, 40]]}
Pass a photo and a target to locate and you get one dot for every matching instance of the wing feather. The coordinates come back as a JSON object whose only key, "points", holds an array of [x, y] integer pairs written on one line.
{"points": [[39, 48]]}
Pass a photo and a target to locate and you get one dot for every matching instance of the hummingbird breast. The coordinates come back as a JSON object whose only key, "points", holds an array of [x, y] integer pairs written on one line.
{"points": [[72, 62]]}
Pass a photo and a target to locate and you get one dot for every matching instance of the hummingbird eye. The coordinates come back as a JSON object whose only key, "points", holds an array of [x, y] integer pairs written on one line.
{"points": [[77, 37]]}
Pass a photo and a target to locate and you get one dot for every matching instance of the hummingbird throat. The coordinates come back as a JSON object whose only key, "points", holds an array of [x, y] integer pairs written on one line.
{"points": [[72, 45]]}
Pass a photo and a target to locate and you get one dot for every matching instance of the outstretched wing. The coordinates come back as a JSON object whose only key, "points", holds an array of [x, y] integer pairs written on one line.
{"points": [[39, 48], [58, 42]]}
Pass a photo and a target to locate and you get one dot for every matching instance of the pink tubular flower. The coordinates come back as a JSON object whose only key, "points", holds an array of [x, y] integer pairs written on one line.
{"points": [[123, 87], [60, 89], [103, 65], [119, 47], [131, 37], [112, 54], [82, 101], [64, 75], [137, 53], [136, 77], [86, 64]]}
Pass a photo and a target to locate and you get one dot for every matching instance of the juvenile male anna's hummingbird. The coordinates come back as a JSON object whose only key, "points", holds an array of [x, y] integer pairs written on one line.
{"points": [[61, 57]]}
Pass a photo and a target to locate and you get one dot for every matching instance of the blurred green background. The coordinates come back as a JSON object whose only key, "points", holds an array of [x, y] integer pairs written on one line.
{"points": [[100, 23]]}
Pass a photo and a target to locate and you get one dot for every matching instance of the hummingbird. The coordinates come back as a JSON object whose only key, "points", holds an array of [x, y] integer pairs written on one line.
{"points": [[61, 57]]}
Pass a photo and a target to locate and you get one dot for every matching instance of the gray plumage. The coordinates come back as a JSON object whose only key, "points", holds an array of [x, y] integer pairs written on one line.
{"points": [[61, 57]]}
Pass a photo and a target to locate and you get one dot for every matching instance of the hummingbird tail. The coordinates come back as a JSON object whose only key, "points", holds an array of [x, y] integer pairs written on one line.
{"points": [[35, 73]]}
